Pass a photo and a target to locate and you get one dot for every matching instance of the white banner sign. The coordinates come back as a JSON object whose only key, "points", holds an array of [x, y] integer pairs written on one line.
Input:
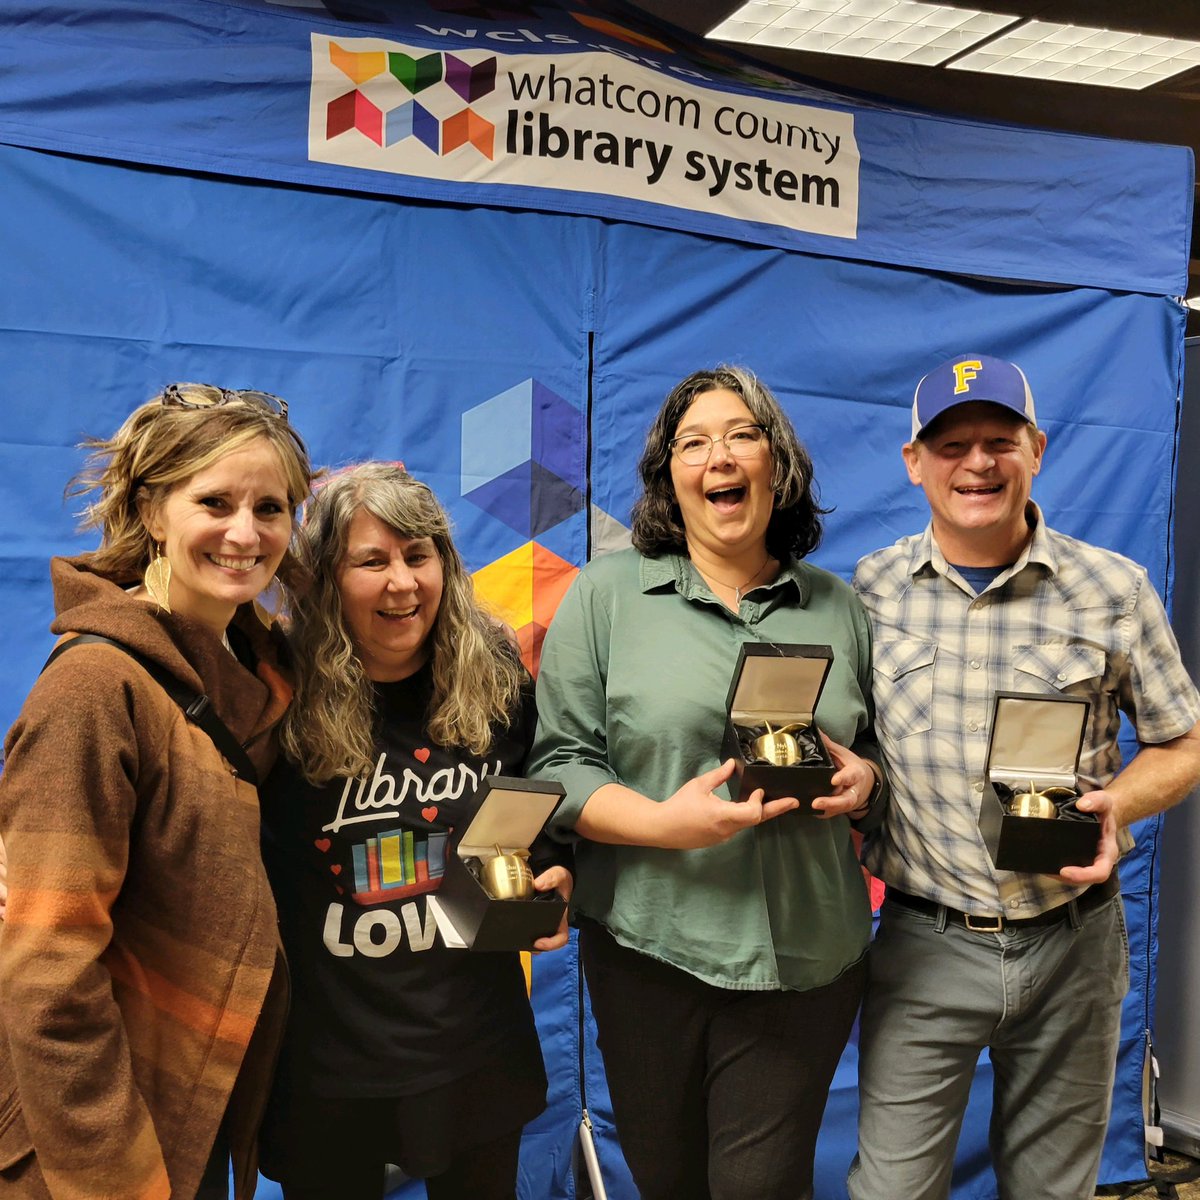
{"points": [[584, 122]]}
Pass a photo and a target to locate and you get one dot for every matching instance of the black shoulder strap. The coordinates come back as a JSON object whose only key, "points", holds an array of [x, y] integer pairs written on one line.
{"points": [[196, 706]]}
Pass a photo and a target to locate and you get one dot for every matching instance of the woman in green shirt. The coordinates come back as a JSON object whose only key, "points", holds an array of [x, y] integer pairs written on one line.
{"points": [[722, 942]]}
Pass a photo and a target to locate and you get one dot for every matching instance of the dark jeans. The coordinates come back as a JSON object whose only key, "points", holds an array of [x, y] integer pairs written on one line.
{"points": [[718, 1094]]}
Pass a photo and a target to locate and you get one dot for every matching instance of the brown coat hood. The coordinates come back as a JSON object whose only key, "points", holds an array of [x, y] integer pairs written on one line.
{"points": [[250, 703]]}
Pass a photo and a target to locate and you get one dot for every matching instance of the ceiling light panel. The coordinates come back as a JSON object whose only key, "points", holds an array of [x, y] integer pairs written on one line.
{"points": [[897, 30], [1078, 54]]}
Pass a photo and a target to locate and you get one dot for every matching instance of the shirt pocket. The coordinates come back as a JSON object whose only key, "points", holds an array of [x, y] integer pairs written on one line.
{"points": [[903, 672], [1058, 667]]}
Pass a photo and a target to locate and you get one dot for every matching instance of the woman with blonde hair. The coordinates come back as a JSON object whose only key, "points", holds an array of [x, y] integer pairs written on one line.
{"points": [[399, 1049], [140, 999]]}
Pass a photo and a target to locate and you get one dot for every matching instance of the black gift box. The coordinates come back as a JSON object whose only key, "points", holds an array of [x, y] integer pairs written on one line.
{"points": [[779, 683], [1036, 739], [510, 815]]}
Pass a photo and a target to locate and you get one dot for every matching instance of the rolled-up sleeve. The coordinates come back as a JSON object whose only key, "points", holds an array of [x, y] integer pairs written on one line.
{"points": [[571, 746]]}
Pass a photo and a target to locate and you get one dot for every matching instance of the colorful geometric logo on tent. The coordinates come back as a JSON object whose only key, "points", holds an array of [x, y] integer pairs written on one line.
{"points": [[416, 73], [411, 120], [468, 126], [620, 32], [606, 533], [357, 67], [354, 111], [471, 80], [340, 10], [522, 458], [486, 12], [386, 125], [524, 589]]}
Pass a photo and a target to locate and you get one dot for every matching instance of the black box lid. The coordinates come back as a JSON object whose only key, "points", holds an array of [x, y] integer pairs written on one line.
{"points": [[778, 681], [1036, 738], [510, 815]]}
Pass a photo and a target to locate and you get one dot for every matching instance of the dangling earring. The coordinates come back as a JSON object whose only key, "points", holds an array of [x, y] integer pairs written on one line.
{"points": [[269, 603], [157, 580]]}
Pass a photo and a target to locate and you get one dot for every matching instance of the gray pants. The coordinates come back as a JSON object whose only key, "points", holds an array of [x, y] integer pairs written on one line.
{"points": [[1045, 1001]]}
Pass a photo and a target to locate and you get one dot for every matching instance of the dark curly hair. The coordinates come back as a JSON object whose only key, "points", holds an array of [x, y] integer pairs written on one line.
{"points": [[795, 527]]}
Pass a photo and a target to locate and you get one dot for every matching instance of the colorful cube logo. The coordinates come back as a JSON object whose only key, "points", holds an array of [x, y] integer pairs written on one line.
{"points": [[390, 114]]}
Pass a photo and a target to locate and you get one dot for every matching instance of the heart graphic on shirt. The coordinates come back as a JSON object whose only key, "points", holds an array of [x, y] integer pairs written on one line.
{"points": [[323, 845], [341, 891], [421, 755], [430, 813], [336, 868]]}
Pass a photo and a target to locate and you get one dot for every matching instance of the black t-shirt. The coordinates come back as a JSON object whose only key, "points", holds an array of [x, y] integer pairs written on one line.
{"points": [[380, 1006]]}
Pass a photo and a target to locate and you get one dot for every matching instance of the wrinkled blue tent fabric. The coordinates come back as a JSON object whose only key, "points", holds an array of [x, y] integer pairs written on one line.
{"points": [[222, 86], [162, 222]]}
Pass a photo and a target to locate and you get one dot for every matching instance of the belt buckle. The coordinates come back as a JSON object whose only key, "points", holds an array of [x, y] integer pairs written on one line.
{"points": [[990, 925]]}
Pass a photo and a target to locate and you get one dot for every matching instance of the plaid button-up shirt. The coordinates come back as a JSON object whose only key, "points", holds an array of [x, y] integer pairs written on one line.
{"points": [[1066, 617]]}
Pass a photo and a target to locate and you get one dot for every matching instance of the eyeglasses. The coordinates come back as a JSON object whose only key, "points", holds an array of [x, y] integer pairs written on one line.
{"points": [[693, 449], [208, 395]]}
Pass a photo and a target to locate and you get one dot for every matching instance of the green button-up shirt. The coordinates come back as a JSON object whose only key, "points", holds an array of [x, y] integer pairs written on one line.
{"points": [[634, 675]]}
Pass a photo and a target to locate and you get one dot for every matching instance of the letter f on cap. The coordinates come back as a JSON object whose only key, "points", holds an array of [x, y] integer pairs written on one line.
{"points": [[964, 372], [966, 379]]}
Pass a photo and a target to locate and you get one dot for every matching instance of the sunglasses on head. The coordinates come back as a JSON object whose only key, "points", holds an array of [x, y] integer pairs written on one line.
{"points": [[208, 395]]}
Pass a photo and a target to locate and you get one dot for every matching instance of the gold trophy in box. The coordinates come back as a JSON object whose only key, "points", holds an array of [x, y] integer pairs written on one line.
{"points": [[771, 729], [508, 876], [1043, 803], [779, 746], [1027, 813]]}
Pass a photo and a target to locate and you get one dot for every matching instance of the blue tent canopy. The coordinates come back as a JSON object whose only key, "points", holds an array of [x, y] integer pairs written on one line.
{"points": [[286, 92], [280, 196]]}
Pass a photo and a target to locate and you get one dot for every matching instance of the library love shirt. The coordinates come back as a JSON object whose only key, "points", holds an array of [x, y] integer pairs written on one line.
{"points": [[379, 1004]]}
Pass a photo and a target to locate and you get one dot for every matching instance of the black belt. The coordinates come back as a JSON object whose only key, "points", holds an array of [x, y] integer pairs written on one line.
{"points": [[1095, 896]]}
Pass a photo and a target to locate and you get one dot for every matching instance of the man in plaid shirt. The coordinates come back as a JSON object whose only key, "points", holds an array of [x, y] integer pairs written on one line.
{"points": [[1034, 967]]}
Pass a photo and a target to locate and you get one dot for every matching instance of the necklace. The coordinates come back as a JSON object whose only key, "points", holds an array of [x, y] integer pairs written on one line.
{"points": [[737, 588]]}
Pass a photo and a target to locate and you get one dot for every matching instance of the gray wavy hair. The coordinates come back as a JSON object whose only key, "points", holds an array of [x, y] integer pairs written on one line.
{"points": [[330, 728]]}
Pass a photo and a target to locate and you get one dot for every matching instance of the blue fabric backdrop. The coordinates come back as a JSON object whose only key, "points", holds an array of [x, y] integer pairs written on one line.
{"points": [[388, 319]]}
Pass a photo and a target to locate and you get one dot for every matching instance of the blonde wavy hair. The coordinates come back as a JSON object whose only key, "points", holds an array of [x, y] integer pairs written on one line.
{"points": [[161, 446], [329, 730]]}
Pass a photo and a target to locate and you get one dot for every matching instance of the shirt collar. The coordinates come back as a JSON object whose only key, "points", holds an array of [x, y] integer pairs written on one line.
{"points": [[676, 571], [927, 554]]}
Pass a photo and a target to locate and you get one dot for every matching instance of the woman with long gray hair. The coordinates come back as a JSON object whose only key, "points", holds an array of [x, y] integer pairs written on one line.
{"points": [[399, 1050]]}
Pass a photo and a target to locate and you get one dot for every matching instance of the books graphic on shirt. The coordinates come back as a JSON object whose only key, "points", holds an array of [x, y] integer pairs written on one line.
{"points": [[400, 863]]}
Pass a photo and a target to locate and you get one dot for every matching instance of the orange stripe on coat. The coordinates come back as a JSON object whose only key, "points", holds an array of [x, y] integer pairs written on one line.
{"points": [[186, 1008]]}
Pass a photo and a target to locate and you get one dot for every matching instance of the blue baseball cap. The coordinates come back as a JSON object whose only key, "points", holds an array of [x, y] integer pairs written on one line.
{"points": [[971, 377]]}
